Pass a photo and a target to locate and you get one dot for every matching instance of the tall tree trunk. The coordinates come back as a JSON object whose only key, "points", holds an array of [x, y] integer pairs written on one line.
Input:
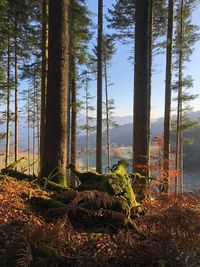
{"points": [[168, 82], [99, 89], [69, 108], [179, 107], [181, 152], [55, 149], [37, 128], [8, 106], [107, 114], [34, 120], [16, 90], [28, 126], [74, 111], [150, 29], [44, 77], [87, 124], [141, 88]]}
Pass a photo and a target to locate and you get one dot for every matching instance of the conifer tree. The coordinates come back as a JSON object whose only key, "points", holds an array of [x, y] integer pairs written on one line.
{"points": [[99, 89], [55, 148], [141, 87], [186, 34], [80, 35], [168, 82]]}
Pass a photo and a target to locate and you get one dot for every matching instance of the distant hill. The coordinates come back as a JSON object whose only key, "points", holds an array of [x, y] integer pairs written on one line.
{"points": [[121, 136]]}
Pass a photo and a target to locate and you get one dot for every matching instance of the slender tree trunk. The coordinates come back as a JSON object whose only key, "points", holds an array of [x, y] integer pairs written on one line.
{"points": [[74, 112], [150, 25], [8, 106], [37, 128], [55, 149], [34, 120], [69, 174], [99, 90], [141, 88], [44, 78], [179, 107], [16, 91], [168, 83], [28, 126], [107, 114], [69, 109], [181, 152], [87, 125]]}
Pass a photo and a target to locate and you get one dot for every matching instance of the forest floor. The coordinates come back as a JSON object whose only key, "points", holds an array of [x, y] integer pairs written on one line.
{"points": [[171, 226]]}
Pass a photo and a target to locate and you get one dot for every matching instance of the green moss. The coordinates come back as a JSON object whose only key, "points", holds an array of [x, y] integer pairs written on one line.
{"points": [[55, 174], [54, 186], [46, 203], [44, 250]]}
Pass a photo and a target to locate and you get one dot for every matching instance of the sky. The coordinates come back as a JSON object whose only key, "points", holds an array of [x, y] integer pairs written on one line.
{"points": [[121, 73]]}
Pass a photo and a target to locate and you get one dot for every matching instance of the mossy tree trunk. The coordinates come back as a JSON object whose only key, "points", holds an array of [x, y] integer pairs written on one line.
{"points": [[55, 156]]}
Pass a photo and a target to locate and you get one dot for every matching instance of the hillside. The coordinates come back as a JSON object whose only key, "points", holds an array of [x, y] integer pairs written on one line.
{"points": [[31, 237]]}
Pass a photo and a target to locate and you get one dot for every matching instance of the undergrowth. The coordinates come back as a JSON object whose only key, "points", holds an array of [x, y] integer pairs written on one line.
{"points": [[171, 226]]}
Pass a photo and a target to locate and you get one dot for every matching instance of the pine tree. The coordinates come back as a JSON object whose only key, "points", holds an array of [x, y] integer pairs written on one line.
{"points": [[99, 89], [141, 87], [186, 35], [80, 35], [88, 127], [44, 76], [168, 83], [55, 156]]}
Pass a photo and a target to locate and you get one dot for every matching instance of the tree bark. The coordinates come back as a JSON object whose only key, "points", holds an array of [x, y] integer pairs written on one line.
{"points": [[107, 114], [179, 106], [34, 120], [141, 88], [168, 83], [28, 132], [87, 124], [16, 90], [8, 107], [44, 77], [99, 89], [55, 156], [74, 111]]}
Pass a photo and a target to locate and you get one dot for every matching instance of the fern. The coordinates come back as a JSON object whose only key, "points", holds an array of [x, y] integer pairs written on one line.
{"points": [[24, 254]]}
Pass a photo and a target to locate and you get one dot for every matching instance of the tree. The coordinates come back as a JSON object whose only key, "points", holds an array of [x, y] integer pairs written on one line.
{"points": [[108, 52], [185, 37], [168, 83], [141, 87], [80, 36], [99, 89], [55, 156], [44, 76], [88, 127], [123, 19]]}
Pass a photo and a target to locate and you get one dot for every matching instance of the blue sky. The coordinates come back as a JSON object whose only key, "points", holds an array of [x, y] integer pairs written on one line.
{"points": [[121, 74]]}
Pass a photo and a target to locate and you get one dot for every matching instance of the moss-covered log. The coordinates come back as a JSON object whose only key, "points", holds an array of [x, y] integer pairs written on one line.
{"points": [[53, 186], [16, 163], [116, 183], [45, 203], [16, 174]]}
